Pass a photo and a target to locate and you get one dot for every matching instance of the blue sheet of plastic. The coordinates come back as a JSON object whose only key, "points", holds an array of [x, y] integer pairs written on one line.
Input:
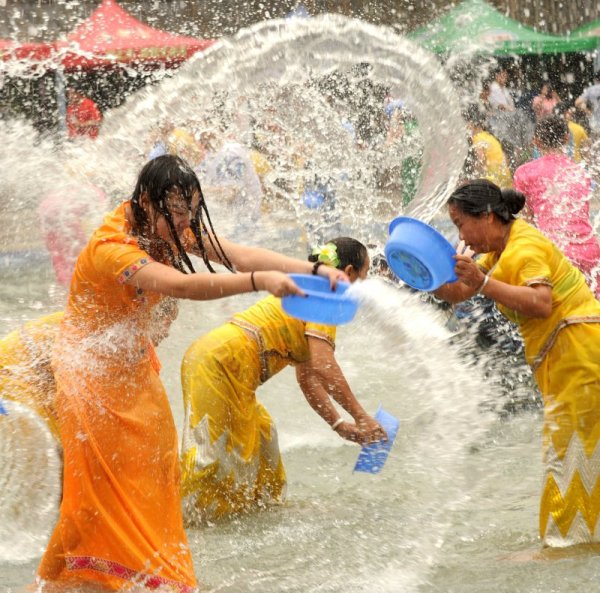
{"points": [[372, 458]]}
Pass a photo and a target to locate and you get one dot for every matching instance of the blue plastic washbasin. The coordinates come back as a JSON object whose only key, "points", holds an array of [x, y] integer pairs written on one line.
{"points": [[372, 458], [419, 255], [321, 304]]}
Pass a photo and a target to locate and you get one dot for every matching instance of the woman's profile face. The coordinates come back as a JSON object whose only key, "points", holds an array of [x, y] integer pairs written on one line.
{"points": [[473, 230]]}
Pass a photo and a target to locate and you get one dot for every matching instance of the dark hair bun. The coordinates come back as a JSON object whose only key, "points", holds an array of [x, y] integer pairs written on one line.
{"points": [[514, 200]]}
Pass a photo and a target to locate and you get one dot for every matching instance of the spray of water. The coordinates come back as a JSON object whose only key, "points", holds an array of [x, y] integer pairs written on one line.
{"points": [[31, 470]]}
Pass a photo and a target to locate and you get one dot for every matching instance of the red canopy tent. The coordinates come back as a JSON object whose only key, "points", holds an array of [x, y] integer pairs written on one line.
{"points": [[36, 52], [111, 36]]}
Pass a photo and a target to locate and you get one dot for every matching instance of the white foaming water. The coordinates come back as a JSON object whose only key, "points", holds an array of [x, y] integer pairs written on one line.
{"points": [[442, 394], [29, 483]]}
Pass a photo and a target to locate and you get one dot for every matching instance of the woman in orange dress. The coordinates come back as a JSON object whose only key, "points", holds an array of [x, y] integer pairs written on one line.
{"points": [[120, 519]]}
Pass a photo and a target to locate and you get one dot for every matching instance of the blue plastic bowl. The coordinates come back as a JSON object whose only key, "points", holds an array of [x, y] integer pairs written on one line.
{"points": [[321, 304], [419, 255]]}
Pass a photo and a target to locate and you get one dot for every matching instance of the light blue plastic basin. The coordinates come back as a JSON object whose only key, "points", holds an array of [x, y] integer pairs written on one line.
{"points": [[321, 304], [419, 255]]}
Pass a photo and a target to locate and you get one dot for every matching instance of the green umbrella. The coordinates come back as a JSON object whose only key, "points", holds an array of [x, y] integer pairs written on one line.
{"points": [[476, 26]]}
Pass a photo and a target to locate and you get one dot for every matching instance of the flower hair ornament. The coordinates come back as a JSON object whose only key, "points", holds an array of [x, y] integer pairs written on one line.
{"points": [[327, 254]]}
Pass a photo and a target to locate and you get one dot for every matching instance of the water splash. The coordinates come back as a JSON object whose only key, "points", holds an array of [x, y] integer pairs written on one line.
{"points": [[30, 483], [266, 79]]}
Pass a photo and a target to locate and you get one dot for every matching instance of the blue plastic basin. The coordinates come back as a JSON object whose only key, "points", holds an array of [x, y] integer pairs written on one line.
{"points": [[419, 255], [371, 458], [321, 304]]}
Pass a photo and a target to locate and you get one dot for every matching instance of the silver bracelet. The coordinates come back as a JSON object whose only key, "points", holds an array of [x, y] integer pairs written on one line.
{"points": [[337, 423], [486, 279]]}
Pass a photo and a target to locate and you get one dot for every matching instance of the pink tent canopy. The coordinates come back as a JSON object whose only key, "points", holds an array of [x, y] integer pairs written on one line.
{"points": [[110, 36]]}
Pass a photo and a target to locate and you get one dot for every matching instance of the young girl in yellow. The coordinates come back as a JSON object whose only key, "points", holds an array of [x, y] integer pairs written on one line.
{"points": [[231, 458]]}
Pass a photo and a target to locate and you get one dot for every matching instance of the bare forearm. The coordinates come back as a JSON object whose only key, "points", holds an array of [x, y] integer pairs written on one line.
{"points": [[257, 258], [454, 292], [526, 300], [319, 401], [204, 287], [337, 387], [200, 287]]}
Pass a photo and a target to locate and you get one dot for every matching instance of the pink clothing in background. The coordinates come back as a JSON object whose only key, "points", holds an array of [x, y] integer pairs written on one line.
{"points": [[544, 106], [558, 192], [67, 217]]}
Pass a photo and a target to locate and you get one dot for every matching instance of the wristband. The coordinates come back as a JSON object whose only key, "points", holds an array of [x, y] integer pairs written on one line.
{"points": [[337, 423], [486, 279], [253, 283]]}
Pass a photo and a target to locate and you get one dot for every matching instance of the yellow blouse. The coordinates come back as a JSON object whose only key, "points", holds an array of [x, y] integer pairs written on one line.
{"points": [[281, 338], [530, 258], [25, 371], [496, 167]]}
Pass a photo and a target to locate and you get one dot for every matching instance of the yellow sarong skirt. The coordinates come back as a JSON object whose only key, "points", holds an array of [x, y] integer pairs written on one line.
{"points": [[230, 453], [569, 379]]}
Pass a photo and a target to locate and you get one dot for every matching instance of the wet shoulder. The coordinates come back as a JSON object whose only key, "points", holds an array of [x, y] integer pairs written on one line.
{"points": [[522, 232], [114, 227]]}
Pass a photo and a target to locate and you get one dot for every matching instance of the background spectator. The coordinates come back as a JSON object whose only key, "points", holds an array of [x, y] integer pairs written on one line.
{"points": [[83, 115]]}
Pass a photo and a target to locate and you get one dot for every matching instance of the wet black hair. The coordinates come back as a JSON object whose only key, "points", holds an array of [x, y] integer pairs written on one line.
{"points": [[481, 196], [350, 252], [561, 108], [551, 131], [157, 179]]}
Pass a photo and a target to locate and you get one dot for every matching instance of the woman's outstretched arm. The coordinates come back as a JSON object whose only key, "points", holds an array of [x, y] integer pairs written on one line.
{"points": [[202, 286], [320, 379]]}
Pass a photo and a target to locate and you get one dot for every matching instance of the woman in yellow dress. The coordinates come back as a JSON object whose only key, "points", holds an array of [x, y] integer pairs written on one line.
{"points": [[536, 286], [230, 453], [25, 372], [489, 158], [120, 518]]}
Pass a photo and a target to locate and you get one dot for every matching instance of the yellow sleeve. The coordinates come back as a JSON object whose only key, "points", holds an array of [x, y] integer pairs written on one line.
{"points": [[260, 163], [485, 262], [525, 262]]}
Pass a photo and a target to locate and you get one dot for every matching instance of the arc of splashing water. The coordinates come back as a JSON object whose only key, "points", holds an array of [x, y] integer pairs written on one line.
{"points": [[272, 50]]}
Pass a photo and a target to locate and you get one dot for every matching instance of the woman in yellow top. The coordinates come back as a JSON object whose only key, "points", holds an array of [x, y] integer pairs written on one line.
{"points": [[535, 285], [489, 158], [579, 141], [231, 458], [120, 518], [25, 372]]}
